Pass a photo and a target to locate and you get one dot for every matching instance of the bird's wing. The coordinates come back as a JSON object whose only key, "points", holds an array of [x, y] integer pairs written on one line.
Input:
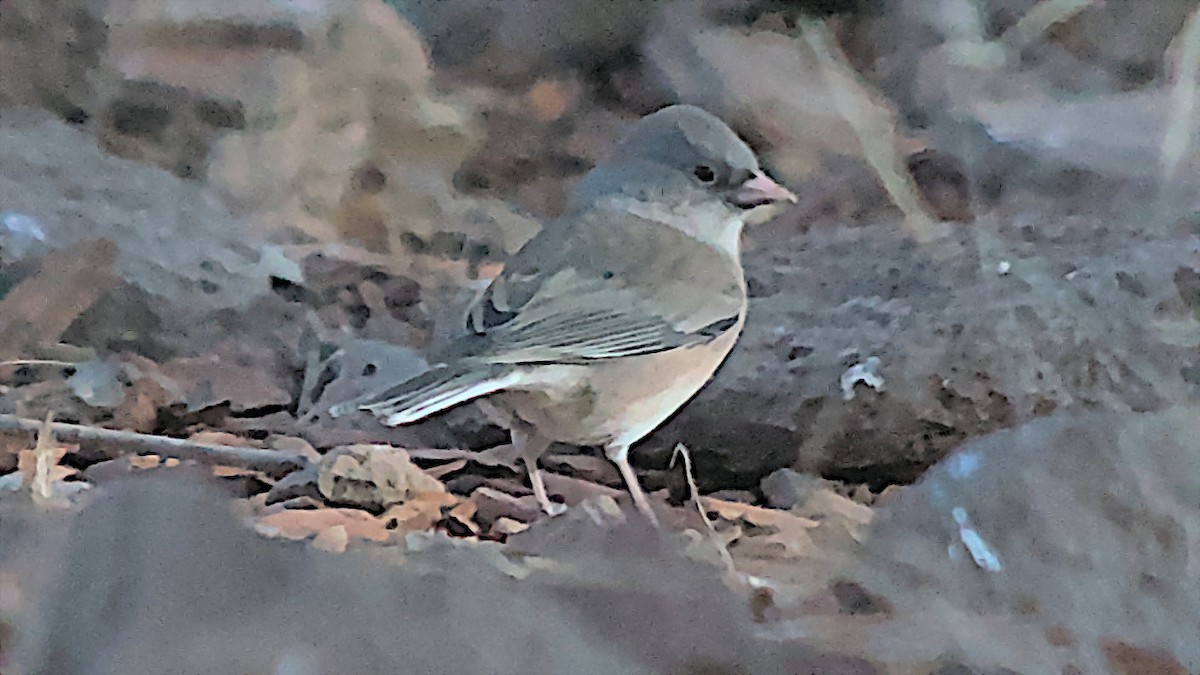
{"points": [[601, 287]]}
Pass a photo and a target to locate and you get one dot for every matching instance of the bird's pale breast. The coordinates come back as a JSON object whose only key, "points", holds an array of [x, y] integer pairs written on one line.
{"points": [[617, 401]]}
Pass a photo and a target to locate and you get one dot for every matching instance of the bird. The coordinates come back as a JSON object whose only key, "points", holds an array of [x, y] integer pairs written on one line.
{"points": [[616, 313]]}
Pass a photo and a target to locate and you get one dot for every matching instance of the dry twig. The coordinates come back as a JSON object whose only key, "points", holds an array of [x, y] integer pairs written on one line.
{"points": [[694, 494], [874, 126], [270, 462]]}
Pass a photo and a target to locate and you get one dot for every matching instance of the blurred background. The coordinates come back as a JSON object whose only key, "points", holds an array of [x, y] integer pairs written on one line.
{"points": [[957, 436]]}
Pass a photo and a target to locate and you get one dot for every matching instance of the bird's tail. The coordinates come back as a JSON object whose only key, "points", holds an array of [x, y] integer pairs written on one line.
{"points": [[441, 388]]}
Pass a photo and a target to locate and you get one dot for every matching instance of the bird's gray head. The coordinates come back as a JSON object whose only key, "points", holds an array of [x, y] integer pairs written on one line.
{"points": [[681, 156]]}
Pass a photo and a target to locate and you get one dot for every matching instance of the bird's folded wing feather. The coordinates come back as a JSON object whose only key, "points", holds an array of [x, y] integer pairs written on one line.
{"points": [[596, 287]]}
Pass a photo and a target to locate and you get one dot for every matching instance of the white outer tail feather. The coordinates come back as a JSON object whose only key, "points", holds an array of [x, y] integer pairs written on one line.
{"points": [[444, 400]]}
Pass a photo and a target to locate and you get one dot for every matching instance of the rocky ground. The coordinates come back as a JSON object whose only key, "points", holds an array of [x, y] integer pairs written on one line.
{"points": [[954, 438]]}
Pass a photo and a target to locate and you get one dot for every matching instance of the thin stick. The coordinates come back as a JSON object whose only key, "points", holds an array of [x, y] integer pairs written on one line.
{"points": [[682, 451], [873, 125], [270, 462], [38, 362]]}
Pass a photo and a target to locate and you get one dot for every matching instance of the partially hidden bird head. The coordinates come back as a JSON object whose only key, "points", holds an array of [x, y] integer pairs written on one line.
{"points": [[682, 156]]}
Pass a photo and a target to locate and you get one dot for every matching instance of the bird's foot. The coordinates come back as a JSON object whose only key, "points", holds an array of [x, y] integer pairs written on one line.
{"points": [[539, 492]]}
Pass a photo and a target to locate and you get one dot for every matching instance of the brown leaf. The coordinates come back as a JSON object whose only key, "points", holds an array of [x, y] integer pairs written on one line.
{"points": [[835, 510], [41, 473], [334, 539], [144, 461], [301, 524], [26, 466], [220, 438], [43, 306], [47, 454], [463, 512], [232, 440], [419, 513], [222, 471], [784, 531], [447, 468], [506, 526]]}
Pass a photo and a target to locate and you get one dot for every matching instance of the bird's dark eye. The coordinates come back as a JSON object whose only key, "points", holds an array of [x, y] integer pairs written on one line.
{"points": [[704, 173]]}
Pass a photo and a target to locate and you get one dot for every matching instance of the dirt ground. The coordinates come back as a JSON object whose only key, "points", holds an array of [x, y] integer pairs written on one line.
{"points": [[956, 436]]}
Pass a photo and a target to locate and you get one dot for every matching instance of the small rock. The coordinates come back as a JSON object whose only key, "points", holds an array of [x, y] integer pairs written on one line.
{"points": [[787, 489]]}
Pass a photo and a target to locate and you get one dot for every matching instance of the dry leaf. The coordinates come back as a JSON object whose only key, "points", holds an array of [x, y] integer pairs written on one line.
{"points": [[144, 461], [447, 468], [784, 530], [222, 471], [831, 508], [505, 526], [220, 438], [419, 513], [41, 473], [47, 454], [26, 467], [232, 440], [463, 512], [333, 540], [302, 524]]}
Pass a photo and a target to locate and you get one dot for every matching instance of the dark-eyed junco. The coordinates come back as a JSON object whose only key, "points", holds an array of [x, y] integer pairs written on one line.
{"points": [[616, 314]]}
